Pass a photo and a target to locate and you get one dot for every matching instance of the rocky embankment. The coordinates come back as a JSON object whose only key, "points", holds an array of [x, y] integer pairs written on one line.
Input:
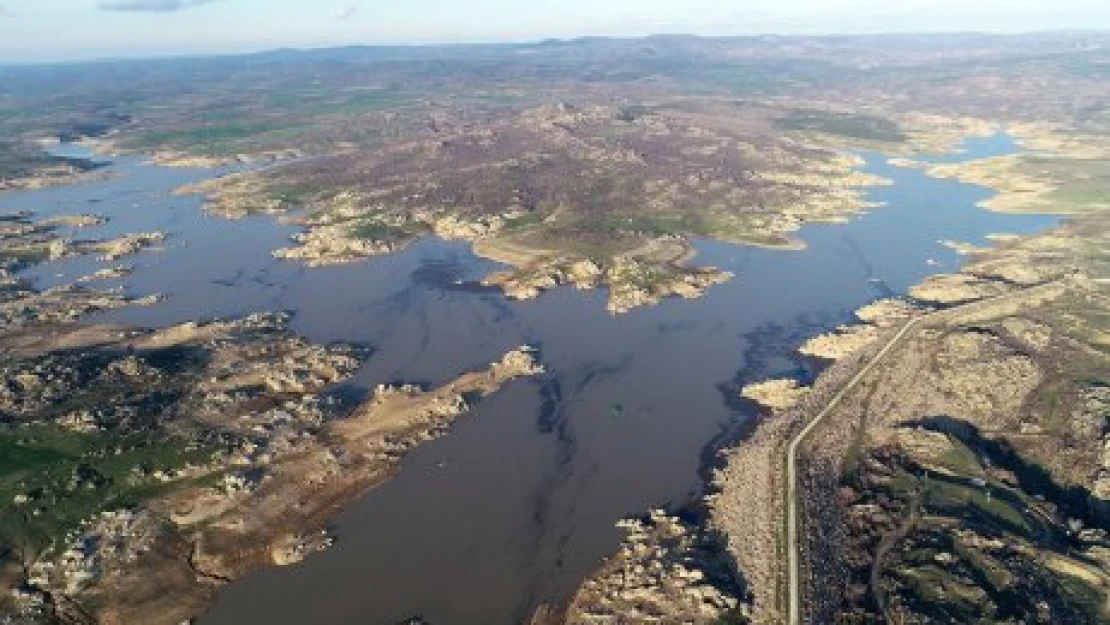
{"points": [[25, 241], [55, 175], [152, 466], [126, 245], [292, 490], [995, 410], [779, 394], [746, 502], [181, 159], [976, 375], [992, 454], [874, 319], [262, 461], [237, 195], [150, 414], [347, 227], [342, 232], [667, 571], [961, 420], [632, 283], [575, 192]]}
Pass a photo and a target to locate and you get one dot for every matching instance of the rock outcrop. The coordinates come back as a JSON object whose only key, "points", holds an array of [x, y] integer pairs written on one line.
{"points": [[663, 573]]}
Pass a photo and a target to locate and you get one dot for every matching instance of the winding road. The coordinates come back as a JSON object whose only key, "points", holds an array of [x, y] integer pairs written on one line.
{"points": [[794, 572]]}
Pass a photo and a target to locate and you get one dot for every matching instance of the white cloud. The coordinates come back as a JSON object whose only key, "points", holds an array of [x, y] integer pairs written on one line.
{"points": [[347, 12], [154, 6]]}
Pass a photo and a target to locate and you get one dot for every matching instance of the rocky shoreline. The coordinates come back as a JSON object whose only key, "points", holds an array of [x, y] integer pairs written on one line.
{"points": [[632, 283], [25, 241], [873, 320], [553, 230], [285, 460], [340, 234], [986, 365], [223, 452], [665, 572]]}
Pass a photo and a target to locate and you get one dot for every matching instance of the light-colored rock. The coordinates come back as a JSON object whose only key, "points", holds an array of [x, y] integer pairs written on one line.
{"points": [[843, 342], [654, 578], [775, 394]]}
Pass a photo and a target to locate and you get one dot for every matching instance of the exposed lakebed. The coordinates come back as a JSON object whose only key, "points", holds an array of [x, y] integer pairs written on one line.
{"points": [[518, 503]]}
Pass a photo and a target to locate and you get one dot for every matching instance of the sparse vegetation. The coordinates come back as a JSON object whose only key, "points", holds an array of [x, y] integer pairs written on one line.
{"points": [[591, 162], [52, 479], [977, 549], [852, 126]]}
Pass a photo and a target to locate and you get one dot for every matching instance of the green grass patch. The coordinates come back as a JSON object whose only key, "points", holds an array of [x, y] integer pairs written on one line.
{"points": [[652, 224], [526, 221], [26, 255], [210, 133], [349, 102], [293, 194], [851, 125], [69, 476], [644, 276], [1088, 598], [495, 97], [366, 101], [1049, 407], [973, 503], [214, 139], [960, 460], [634, 112], [18, 160], [930, 586], [375, 230], [990, 573]]}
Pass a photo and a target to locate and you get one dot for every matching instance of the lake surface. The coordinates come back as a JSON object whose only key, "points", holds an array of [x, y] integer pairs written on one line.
{"points": [[517, 504]]}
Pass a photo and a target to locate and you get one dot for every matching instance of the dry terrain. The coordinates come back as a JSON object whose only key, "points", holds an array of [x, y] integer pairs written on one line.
{"points": [[144, 469], [964, 479]]}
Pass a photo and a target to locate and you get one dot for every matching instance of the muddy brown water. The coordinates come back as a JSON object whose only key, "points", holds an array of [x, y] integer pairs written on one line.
{"points": [[517, 504]]}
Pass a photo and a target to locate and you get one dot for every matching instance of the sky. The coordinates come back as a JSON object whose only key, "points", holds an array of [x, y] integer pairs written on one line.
{"points": [[52, 30]]}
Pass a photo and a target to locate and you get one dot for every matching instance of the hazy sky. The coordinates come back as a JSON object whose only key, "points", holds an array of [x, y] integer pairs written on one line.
{"points": [[36, 30]]}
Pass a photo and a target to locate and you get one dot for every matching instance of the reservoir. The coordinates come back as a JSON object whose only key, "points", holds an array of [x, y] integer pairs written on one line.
{"points": [[517, 504]]}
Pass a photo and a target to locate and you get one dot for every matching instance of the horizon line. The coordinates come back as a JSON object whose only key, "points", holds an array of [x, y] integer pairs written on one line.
{"points": [[480, 43]]}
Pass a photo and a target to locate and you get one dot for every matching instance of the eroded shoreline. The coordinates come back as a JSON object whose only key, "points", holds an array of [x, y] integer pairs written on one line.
{"points": [[290, 549], [988, 366]]}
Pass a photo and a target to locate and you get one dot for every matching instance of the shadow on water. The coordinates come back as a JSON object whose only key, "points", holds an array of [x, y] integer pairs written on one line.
{"points": [[519, 502]]}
